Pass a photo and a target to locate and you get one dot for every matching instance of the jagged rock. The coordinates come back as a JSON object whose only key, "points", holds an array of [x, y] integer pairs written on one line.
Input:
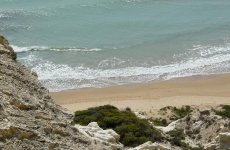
{"points": [[5, 48], [29, 119], [96, 133], [151, 146]]}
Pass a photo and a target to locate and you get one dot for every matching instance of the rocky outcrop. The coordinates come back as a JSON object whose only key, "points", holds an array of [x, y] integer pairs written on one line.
{"points": [[29, 119], [201, 129], [97, 134], [6, 49]]}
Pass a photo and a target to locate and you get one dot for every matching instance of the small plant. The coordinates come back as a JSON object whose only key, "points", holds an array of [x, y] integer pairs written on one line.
{"points": [[160, 122], [132, 130], [225, 112], [196, 131], [181, 112], [165, 108], [205, 112], [199, 137], [189, 133], [177, 136]]}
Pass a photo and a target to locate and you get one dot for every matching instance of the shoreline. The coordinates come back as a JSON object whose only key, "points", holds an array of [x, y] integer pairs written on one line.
{"points": [[202, 91]]}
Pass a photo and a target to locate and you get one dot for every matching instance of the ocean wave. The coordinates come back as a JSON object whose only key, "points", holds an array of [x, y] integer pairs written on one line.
{"points": [[61, 76], [3, 16], [76, 49], [209, 50], [41, 48], [29, 48], [14, 13]]}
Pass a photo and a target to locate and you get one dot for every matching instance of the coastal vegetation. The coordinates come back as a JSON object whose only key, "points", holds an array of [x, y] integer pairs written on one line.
{"points": [[159, 122], [179, 113], [225, 112], [132, 130], [171, 114], [177, 136]]}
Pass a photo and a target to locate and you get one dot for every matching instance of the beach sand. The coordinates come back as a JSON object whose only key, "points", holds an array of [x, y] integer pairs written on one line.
{"points": [[202, 91]]}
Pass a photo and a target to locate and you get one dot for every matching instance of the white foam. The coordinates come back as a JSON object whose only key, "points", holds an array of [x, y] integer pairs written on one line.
{"points": [[38, 48], [29, 48], [2, 16], [210, 50], [76, 49]]}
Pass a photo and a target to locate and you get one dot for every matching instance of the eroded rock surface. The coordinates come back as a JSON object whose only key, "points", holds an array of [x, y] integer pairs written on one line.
{"points": [[29, 119]]}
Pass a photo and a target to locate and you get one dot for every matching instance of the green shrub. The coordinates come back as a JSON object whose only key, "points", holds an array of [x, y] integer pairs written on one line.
{"points": [[132, 130], [166, 108], [181, 112], [177, 136], [160, 122], [225, 112]]}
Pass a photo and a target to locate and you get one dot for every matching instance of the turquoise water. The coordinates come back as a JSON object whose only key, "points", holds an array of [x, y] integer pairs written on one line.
{"points": [[97, 43]]}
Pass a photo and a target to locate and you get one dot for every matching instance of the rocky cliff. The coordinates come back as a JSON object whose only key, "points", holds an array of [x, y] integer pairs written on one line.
{"points": [[29, 119]]}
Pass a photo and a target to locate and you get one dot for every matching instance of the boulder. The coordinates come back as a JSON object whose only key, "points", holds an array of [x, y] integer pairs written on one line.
{"points": [[96, 133]]}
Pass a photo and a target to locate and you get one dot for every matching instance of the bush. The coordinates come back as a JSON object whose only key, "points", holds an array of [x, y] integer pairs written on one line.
{"points": [[181, 112], [177, 136], [132, 130], [225, 112], [160, 122]]}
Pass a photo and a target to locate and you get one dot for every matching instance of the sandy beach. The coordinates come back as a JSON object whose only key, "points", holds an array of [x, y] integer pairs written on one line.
{"points": [[210, 90]]}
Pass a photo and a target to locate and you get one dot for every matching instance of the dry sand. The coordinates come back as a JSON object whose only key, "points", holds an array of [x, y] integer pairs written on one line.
{"points": [[200, 91]]}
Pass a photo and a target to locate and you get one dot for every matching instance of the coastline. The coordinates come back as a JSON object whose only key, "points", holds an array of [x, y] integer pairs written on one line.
{"points": [[202, 91]]}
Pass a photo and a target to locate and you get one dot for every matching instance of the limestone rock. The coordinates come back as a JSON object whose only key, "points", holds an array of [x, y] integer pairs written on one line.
{"points": [[29, 119], [96, 133], [150, 146], [168, 128]]}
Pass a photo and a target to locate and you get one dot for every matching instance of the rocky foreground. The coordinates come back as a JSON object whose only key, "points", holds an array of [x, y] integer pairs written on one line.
{"points": [[29, 119]]}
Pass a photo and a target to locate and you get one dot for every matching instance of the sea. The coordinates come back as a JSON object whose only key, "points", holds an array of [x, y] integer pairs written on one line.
{"points": [[74, 44]]}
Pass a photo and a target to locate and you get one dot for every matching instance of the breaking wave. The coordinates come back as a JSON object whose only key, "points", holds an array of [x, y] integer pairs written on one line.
{"points": [[41, 48]]}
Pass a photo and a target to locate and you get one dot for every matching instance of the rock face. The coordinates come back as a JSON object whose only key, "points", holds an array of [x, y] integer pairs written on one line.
{"points": [[97, 134], [29, 119]]}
